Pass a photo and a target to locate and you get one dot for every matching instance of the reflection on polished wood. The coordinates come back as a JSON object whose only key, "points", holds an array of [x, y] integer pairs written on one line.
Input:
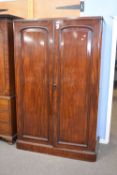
{"points": [[57, 65]]}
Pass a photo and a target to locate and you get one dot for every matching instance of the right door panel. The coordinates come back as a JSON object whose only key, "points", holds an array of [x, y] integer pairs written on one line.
{"points": [[75, 73]]}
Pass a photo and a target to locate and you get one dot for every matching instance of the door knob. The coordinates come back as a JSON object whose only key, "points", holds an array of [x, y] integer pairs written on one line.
{"points": [[54, 86]]}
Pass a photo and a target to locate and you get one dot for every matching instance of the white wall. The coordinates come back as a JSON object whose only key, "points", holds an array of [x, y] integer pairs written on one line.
{"points": [[105, 8]]}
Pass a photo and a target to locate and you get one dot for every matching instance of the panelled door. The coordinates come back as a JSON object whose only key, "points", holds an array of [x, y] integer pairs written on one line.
{"points": [[76, 73], [57, 75], [33, 64]]}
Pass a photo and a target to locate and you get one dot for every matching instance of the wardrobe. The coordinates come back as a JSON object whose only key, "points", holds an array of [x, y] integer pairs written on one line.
{"points": [[57, 69], [7, 82]]}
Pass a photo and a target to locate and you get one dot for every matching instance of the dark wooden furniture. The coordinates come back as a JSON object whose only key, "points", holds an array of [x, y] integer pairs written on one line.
{"points": [[57, 65], [7, 88]]}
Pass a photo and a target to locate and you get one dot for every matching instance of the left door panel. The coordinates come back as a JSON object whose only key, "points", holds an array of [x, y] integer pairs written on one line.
{"points": [[33, 80]]}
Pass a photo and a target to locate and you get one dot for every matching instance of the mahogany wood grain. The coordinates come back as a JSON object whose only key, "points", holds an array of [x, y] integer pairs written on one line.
{"points": [[7, 82], [77, 67], [7, 118], [33, 80], [57, 67], [73, 83], [67, 153], [6, 57]]}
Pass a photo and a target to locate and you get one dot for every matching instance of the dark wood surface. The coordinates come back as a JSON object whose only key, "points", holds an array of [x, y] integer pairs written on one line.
{"points": [[6, 58], [7, 84], [35, 70], [57, 67]]}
